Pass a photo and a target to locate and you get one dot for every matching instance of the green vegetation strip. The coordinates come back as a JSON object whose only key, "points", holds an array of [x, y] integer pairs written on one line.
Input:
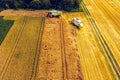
{"points": [[4, 28], [103, 43]]}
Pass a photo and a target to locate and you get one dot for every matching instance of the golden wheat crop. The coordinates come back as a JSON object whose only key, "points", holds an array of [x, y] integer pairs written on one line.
{"points": [[107, 18], [94, 64], [20, 48]]}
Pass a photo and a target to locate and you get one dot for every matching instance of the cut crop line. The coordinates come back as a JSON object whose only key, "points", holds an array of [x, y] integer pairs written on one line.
{"points": [[13, 50], [38, 50], [111, 59], [63, 54]]}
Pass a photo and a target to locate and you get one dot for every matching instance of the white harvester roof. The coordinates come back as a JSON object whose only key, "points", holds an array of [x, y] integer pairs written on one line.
{"points": [[53, 11], [77, 20]]}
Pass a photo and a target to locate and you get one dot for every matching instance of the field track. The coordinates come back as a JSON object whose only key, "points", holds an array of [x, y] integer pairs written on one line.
{"points": [[103, 43], [36, 59], [64, 63]]}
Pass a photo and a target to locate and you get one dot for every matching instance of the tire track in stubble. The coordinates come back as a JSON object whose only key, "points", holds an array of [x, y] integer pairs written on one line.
{"points": [[63, 54], [38, 50]]}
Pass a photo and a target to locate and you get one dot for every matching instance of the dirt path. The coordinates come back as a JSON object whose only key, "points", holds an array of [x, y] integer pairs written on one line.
{"points": [[35, 13]]}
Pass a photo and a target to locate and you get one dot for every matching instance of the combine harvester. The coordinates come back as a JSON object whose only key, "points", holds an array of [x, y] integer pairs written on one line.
{"points": [[54, 13], [77, 22]]}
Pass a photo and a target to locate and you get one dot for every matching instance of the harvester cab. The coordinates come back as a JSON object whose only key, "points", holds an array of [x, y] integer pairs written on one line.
{"points": [[54, 13], [77, 22]]}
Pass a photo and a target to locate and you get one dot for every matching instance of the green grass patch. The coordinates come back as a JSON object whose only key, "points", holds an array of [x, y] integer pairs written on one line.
{"points": [[4, 28]]}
